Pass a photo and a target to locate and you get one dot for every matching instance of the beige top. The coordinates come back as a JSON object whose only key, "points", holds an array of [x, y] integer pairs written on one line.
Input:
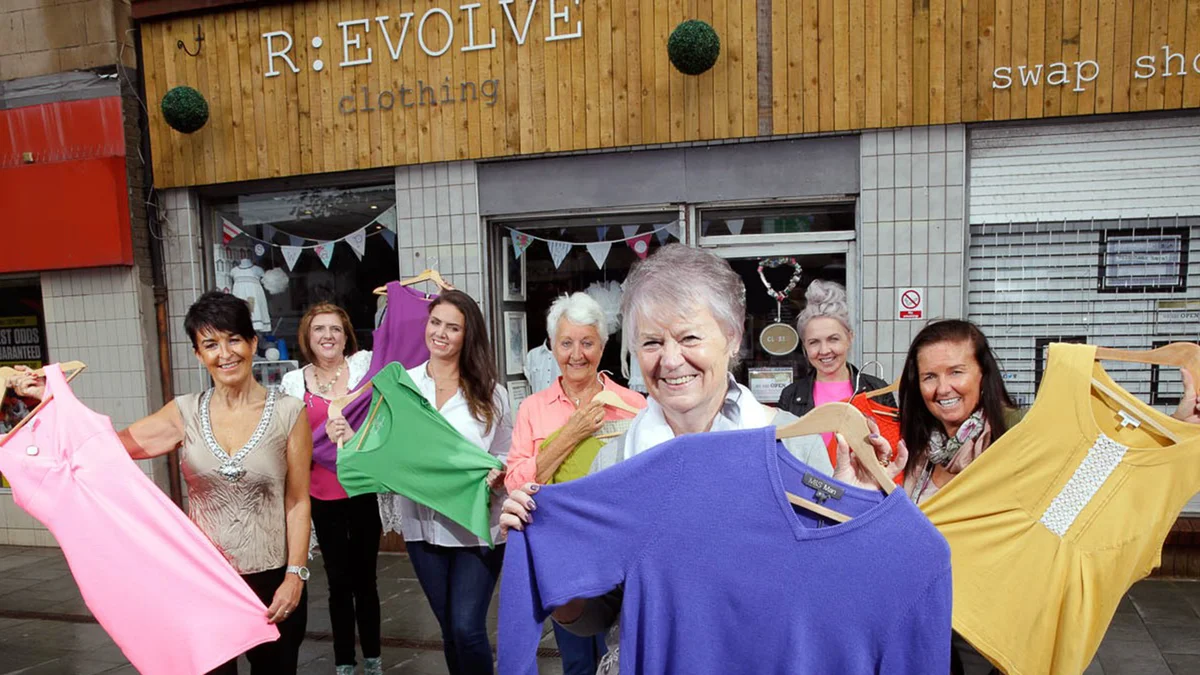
{"points": [[237, 501]]}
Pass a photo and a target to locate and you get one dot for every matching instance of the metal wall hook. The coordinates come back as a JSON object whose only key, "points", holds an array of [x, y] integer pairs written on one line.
{"points": [[199, 42]]}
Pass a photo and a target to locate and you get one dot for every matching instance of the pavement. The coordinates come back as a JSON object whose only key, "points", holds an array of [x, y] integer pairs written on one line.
{"points": [[45, 629]]}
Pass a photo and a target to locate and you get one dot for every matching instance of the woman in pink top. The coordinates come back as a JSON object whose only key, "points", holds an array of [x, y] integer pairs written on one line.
{"points": [[348, 528], [578, 329]]}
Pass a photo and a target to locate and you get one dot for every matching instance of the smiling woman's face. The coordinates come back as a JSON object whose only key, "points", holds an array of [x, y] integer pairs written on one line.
{"points": [[951, 380], [228, 357], [684, 360]]}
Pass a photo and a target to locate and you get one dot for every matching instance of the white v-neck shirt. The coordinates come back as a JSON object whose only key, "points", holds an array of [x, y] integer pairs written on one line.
{"points": [[421, 523]]}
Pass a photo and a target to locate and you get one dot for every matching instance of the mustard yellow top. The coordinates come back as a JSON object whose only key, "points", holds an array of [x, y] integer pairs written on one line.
{"points": [[1051, 526]]}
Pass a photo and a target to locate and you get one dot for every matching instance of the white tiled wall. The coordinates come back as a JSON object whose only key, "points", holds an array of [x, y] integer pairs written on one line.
{"points": [[184, 262], [105, 318], [437, 224], [912, 233]]}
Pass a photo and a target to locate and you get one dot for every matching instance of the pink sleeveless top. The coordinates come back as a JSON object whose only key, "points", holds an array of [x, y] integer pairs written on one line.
{"points": [[155, 583]]}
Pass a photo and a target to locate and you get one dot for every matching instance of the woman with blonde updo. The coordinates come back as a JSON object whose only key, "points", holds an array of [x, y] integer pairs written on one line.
{"points": [[826, 336]]}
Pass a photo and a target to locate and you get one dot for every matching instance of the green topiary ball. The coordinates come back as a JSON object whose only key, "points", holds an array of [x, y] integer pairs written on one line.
{"points": [[693, 47], [185, 109]]}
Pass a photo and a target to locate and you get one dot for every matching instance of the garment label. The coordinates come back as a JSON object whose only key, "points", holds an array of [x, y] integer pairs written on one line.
{"points": [[825, 489], [1128, 420]]}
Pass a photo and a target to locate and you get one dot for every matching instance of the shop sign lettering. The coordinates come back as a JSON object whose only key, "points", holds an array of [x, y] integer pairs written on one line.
{"points": [[395, 33], [1079, 74]]}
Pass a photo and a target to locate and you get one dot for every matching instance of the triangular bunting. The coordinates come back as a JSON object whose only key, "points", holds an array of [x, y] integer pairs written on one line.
{"points": [[290, 255], [629, 230], [599, 251], [260, 250], [268, 234], [521, 241], [229, 231], [295, 241], [324, 251], [358, 242], [558, 251], [640, 245], [388, 218], [734, 225], [601, 232], [661, 234], [390, 237], [673, 230]]}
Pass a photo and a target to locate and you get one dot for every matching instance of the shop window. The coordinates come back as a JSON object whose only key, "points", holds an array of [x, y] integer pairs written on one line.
{"points": [[597, 252], [285, 251], [783, 220], [22, 342], [1143, 260], [1164, 379]]}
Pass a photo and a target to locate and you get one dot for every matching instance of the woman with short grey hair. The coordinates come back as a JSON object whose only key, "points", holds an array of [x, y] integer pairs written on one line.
{"points": [[554, 436], [684, 313]]}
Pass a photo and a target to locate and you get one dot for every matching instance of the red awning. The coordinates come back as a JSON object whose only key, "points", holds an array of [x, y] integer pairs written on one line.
{"points": [[69, 207]]}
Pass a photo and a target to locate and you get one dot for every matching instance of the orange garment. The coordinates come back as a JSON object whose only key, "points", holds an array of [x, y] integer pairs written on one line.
{"points": [[888, 419], [1051, 526]]}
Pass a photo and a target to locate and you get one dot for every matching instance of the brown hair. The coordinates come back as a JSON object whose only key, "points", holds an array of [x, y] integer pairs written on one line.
{"points": [[916, 422], [306, 324], [476, 365]]}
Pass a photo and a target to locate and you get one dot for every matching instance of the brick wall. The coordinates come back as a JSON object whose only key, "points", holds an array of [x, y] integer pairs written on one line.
{"points": [[39, 37]]}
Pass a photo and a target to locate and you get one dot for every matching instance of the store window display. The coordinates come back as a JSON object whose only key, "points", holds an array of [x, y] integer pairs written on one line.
{"points": [[283, 251], [559, 256]]}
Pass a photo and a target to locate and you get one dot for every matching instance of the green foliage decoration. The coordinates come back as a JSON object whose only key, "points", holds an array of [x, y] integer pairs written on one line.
{"points": [[693, 47], [185, 109]]}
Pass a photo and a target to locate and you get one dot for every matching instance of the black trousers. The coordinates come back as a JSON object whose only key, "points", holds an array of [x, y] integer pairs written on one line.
{"points": [[348, 532], [279, 657]]}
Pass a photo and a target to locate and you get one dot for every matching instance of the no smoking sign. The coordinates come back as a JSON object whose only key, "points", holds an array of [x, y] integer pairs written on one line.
{"points": [[911, 303]]}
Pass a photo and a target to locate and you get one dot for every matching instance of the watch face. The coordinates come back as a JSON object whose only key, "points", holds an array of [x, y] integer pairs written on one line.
{"points": [[304, 574]]}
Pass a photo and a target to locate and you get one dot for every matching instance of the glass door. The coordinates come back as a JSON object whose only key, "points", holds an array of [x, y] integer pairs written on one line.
{"points": [[771, 355]]}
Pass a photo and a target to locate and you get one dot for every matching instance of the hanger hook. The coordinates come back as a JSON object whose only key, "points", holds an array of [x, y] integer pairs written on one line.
{"points": [[858, 378]]}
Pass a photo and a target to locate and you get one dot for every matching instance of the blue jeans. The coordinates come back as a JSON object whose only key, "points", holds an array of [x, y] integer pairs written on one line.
{"points": [[580, 655], [458, 582]]}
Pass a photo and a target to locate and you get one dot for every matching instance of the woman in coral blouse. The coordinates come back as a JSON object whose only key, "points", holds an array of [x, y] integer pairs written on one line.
{"points": [[558, 424]]}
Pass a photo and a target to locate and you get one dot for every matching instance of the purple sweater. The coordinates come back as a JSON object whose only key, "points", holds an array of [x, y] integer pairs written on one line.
{"points": [[722, 574], [400, 338]]}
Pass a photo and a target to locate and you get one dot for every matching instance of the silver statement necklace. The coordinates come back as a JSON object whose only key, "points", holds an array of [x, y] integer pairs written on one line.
{"points": [[231, 466]]}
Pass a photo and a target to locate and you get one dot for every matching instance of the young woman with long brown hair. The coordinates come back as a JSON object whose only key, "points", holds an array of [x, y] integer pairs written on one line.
{"points": [[457, 571]]}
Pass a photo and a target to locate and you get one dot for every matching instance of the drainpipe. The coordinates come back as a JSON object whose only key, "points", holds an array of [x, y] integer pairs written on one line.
{"points": [[158, 270]]}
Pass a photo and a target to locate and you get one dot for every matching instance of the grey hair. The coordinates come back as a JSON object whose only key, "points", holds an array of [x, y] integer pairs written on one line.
{"points": [[680, 279], [825, 299], [580, 309]]}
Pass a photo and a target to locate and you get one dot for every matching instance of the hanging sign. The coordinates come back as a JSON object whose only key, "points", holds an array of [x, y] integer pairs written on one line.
{"points": [[290, 255], [640, 245], [599, 251], [767, 384], [558, 251], [779, 339], [911, 304], [358, 242]]}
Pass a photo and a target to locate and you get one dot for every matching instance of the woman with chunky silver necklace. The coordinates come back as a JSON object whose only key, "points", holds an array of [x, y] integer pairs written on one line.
{"points": [[348, 528], [246, 452]]}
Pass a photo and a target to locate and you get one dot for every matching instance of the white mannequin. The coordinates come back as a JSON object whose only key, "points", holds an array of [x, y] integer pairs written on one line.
{"points": [[247, 285]]}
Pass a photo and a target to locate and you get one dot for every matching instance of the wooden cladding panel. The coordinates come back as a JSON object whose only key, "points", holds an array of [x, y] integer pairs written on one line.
{"points": [[933, 61], [613, 87]]}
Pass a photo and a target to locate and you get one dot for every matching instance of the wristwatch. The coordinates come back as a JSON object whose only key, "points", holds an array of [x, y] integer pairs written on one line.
{"points": [[299, 571]]}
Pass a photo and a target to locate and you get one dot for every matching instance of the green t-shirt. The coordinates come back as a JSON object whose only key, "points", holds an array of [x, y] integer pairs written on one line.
{"points": [[579, 462], [408, 448]]}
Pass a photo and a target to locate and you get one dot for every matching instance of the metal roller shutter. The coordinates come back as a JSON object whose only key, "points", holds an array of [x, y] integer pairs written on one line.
{"points": [[1042, 198]]}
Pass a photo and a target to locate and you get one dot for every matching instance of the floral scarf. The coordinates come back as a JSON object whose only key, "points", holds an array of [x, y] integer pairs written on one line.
{"points": [[954, 453]]}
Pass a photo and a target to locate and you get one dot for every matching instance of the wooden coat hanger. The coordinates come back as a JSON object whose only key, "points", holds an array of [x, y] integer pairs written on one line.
{"points": [[7, 372], [611, 400], [337, 405], [890, 389], [427, 275], [76, 366], [845, 419], [1185, 355]]}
